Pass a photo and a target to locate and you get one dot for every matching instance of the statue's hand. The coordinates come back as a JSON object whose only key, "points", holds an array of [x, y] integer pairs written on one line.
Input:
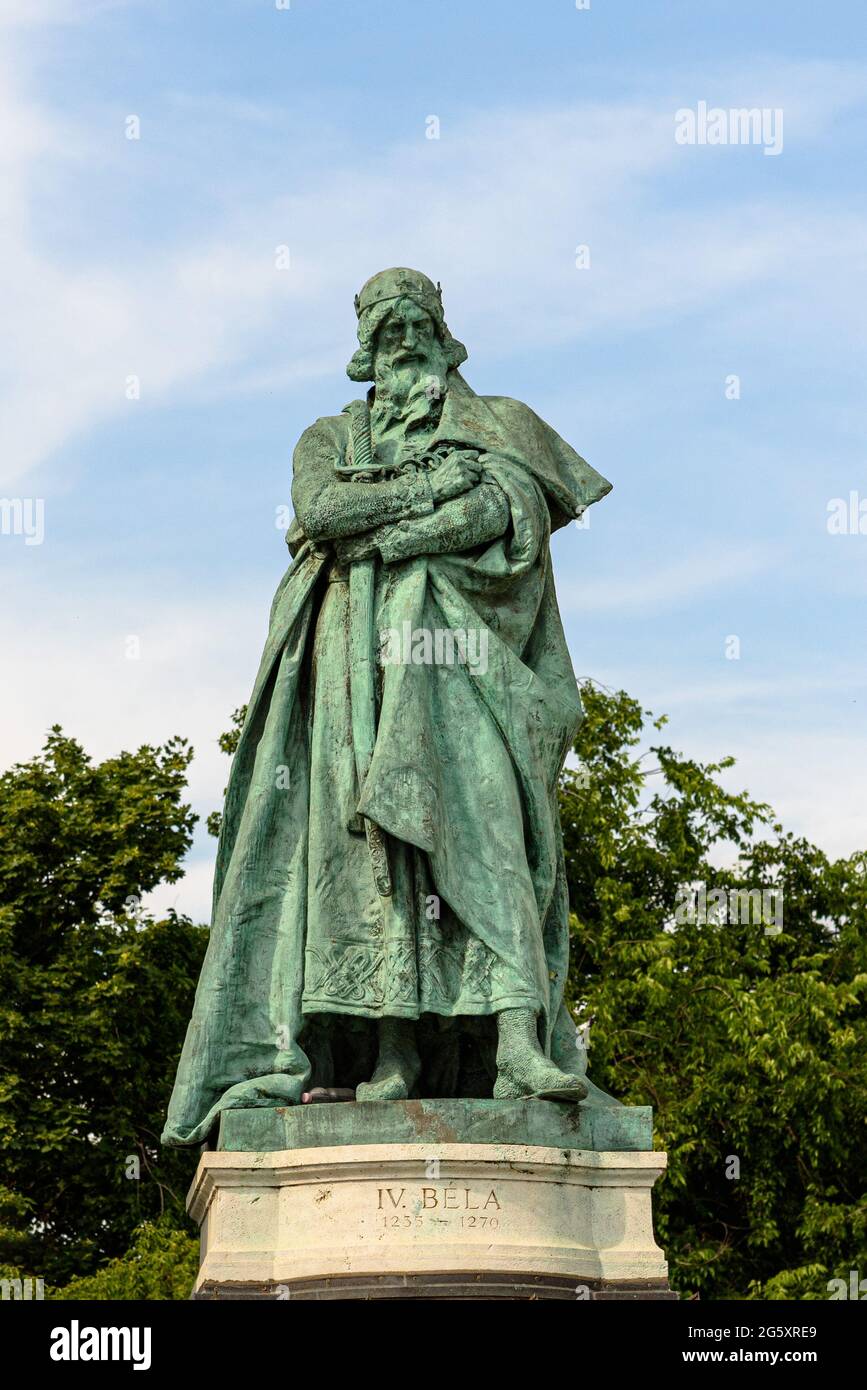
{"points": [[460, 471], [349, 548]]}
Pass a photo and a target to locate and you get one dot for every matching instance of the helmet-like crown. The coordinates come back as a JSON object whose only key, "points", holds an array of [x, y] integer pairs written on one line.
{"points": [[399, 283]]}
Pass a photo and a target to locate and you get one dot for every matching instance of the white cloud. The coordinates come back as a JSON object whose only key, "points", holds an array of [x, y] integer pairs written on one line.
{"points": [[737, 689], [495, 209], [666, 583], [814, 781], [191, 896], [27, 14], [812, 775], [197, 663]]}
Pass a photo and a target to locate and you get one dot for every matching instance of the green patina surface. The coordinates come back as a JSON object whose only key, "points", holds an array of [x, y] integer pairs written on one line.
{"points": [[590, 1125], [390, 908]]}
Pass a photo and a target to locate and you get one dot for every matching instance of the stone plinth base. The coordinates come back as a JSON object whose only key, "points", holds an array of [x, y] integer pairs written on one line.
{"points": [[429, 1219]]}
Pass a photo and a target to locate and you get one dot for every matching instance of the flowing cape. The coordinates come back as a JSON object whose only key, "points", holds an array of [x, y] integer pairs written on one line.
{"points": [[243, 1045]]}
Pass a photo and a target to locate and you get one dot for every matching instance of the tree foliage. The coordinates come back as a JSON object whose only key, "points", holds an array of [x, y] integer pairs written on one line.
{"points": [[161, 1263], [94, 1000], [750, 1044]]}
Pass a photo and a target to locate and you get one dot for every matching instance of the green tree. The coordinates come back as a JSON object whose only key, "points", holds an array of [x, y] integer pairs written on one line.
{"points": [[94, 1000], [750, 1042], [161, 1263]]}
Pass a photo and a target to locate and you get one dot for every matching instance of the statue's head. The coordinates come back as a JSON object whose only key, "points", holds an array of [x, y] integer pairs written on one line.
{"points": [[402, 330]]}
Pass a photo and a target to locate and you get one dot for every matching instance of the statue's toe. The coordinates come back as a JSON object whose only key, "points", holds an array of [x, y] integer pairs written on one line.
{"points": [[545, 1082], [567, 1088]]}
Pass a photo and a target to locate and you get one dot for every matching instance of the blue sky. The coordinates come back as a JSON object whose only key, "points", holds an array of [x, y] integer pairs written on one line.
{"points": [[307, 128]]}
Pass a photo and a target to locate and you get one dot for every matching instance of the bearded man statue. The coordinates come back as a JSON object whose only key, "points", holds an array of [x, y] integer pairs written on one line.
{"points": [[390, 916]]}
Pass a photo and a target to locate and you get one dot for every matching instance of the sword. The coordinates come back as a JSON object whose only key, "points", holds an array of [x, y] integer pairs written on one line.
{"points": [[362, 688]]}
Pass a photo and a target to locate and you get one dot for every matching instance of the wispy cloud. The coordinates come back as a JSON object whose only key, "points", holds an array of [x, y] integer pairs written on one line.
{"points": [[496, 210], [689, 270], [663, 583], [31, 14]]}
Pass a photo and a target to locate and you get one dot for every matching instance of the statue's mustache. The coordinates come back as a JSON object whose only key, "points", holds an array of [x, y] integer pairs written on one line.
{"points": [[409, 355]]}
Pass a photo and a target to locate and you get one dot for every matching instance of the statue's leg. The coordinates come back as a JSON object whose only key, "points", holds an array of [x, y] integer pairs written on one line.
{"points": [[397, 1065], [523, 1070]]}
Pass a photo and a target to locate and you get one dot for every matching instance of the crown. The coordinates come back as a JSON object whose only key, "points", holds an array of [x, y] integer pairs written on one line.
{"points": [[399, 283]]}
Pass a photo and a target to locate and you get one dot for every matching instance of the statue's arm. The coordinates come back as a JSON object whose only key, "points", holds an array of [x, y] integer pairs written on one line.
{"points": [[462, 523], [328, 508], [336, 509]]}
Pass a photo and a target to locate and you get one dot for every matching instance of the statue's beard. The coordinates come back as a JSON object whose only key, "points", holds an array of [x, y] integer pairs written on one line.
{"points": [[410, 392]]}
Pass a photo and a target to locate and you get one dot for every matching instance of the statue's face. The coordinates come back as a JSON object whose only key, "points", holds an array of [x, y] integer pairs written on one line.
{"points": [[406, 341]]}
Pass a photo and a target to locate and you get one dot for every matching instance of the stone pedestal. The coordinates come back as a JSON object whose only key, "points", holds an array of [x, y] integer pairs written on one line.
{"points": [[307, 1209]]}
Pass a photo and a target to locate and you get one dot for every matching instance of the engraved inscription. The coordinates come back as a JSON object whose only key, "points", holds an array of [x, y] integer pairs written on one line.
{"points": [[406, 1208]]}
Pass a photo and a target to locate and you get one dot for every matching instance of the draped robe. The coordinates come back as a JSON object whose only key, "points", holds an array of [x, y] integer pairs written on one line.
{"points": [[463, 778]]}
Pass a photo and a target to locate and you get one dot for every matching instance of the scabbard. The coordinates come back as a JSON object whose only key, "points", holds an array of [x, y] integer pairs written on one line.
{"points": [[362, 695]]}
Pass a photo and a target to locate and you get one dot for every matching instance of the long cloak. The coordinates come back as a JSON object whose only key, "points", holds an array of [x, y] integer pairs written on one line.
{"points": [[464, 776]]}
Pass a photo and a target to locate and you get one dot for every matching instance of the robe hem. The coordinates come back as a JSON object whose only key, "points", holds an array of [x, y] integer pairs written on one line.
{"points": [[467, 1008]]}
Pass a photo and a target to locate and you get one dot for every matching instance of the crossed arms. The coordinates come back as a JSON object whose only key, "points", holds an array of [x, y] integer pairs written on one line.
{"points": [[452, 507]]}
